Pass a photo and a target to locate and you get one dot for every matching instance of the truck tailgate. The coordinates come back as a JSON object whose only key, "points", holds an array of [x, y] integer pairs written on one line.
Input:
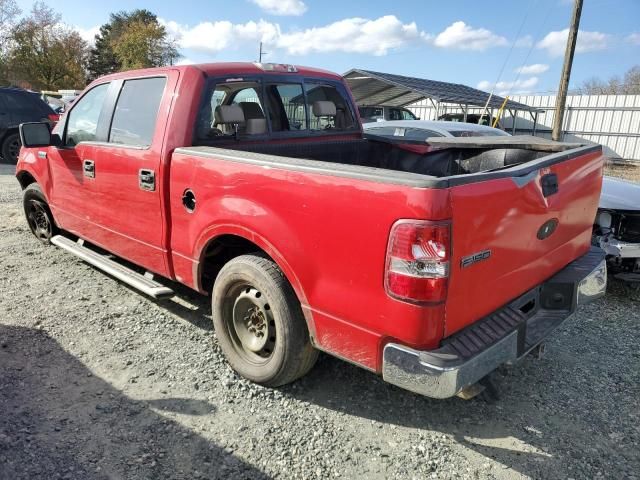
{"points": [[508, 237]]}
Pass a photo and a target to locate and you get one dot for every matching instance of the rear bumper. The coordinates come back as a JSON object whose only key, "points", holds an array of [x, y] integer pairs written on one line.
{"points": [[502, 337]]}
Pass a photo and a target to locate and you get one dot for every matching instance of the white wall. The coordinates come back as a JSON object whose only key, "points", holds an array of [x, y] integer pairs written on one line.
{"points": [[610, 120]]}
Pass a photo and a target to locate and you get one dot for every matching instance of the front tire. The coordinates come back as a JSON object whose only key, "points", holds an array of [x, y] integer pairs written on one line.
{"points": [[38, 213], [259, 322], [11, 148]]}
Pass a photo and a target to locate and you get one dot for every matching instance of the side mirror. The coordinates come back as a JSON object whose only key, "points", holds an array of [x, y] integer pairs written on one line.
{"points": [[36, 134]]}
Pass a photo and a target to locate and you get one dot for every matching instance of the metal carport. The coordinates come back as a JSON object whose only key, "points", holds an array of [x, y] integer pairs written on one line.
{"points": [[377, 88]]}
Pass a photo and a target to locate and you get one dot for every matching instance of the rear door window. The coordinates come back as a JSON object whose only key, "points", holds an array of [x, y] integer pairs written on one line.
{"points": [[82, 122], [136, 112]]}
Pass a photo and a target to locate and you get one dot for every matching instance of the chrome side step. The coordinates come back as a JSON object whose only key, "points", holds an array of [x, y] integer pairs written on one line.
{"points": [[144, 283]]}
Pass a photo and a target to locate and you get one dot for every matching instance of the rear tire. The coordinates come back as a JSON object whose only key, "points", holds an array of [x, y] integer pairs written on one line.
{"points": [[11, 148], [38, 214], [259, 322]]}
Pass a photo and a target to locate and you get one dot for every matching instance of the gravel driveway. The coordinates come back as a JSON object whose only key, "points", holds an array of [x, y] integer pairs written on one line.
{"points": [[98, 381]]}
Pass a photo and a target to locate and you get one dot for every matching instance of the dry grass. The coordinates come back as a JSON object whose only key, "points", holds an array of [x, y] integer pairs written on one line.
{"points": [[627, 171]]}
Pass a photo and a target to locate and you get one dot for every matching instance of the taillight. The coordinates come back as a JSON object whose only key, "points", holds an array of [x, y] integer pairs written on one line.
{"points": [[417, 266], [54, 117]]}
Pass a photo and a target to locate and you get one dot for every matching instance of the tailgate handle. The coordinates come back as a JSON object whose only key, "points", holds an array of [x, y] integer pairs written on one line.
{"points": [[549, 184]]}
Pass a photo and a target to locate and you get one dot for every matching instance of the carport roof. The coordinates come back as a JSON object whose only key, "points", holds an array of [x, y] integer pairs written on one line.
{"points": [[376, 88]]}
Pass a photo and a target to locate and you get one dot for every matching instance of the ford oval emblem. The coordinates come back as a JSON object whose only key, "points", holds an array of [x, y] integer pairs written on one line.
{"points": [[547, 228]]}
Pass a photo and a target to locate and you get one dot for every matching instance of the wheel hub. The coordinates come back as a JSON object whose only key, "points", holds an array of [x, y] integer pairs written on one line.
{"points": [[39, 220], [253, 322]]}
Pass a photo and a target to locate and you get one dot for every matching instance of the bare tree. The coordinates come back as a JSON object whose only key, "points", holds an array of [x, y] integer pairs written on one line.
{"points": [[629, 84], [9, 12]]}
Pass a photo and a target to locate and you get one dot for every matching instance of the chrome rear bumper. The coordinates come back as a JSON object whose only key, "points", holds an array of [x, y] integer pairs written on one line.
{"points": [[502, 337]]}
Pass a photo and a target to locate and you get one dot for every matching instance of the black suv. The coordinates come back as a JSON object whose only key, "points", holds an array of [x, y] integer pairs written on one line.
{"points": [[18, 106]]}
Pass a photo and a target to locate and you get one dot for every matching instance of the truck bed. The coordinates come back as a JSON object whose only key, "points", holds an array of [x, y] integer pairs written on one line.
{"points": [[442, 163]]}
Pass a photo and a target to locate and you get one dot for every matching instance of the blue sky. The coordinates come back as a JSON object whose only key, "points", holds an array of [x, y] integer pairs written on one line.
{"points": [[464, 41]]}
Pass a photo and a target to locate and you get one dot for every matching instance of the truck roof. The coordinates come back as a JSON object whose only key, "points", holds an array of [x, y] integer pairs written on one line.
{"points": [[234, 68]]}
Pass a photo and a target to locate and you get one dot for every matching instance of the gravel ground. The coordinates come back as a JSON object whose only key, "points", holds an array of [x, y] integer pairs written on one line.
{"points": [[98, 381]]}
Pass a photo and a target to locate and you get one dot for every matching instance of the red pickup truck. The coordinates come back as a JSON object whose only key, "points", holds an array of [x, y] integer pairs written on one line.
{"points": [[428, 263]]}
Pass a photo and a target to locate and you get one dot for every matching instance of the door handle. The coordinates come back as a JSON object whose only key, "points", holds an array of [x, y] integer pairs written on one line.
{"points": [[89, 168], [147, 180]]}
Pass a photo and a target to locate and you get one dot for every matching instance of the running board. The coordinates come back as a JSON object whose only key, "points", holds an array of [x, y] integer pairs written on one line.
{"points": [[144, 283]]}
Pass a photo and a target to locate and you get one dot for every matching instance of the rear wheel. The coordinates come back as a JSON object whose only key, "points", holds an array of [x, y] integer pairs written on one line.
{"points": [[38, 214], [11, 148], [259, 322]]}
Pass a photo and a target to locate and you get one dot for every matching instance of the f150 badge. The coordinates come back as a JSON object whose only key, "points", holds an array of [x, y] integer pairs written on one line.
{"points": [[475, 258]]}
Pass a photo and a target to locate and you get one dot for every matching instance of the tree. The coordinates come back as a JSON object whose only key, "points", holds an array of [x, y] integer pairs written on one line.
{"points": [[9, 11], [46, 53], [131, 40], [143, 45], [628, 85]]}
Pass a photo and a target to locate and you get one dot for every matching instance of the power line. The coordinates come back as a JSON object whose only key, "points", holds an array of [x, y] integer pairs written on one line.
{"points": [[506, 60]]}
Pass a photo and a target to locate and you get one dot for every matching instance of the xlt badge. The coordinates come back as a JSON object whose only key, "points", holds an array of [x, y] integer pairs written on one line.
{"points": [[475, 258]]}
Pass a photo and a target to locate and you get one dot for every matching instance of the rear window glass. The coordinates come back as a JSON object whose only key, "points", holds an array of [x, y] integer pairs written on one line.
{"points": [[270, 108], [25, 101], [286, 107]]}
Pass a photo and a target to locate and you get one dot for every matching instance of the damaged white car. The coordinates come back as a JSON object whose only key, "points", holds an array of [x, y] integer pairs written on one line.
{"points": [[617, 228]]}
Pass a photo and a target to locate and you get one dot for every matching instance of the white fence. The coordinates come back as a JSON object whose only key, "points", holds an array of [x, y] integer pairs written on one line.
{"points": [[610, 120]]}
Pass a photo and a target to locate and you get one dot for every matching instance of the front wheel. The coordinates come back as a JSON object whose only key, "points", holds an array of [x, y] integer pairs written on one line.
{"points": [[38, 214], [259, 322]]}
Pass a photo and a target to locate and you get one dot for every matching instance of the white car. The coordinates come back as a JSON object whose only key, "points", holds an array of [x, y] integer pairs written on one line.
{"points": [[420, 130], [617, 227]]}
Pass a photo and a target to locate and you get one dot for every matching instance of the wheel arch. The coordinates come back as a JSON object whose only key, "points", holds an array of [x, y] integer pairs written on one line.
{"points": [[25, 178], [238, 241]]}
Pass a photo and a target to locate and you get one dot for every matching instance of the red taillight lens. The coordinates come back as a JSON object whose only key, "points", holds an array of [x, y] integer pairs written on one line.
{"points": [[417, 267], [54, 117]]}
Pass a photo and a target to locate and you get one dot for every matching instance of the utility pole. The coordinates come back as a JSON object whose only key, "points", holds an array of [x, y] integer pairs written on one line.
{"points": [[561, 100], [261, 53]]}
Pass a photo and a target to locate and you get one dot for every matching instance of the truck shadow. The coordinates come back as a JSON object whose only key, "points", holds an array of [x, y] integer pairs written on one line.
{"points": [[57, 420], [486, 428], [538, 426]]}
